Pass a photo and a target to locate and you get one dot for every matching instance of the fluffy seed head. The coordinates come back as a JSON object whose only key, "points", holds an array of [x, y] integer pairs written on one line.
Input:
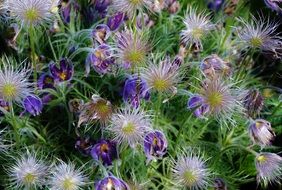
{"points": [[27, 172], [260, 34], [65, 177], [269, 167], [14, 84], [131, 48], [129, 126], [197, 26], [130, 7], [31, 12], [190, 170], [162, 77]]}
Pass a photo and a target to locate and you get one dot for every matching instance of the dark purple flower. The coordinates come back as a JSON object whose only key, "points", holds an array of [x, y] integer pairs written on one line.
{"points": [[45, 81], [100, 59], [196, 103], [62, 73], [101, 33], [215, 5], [66, 9], [111, 182], [155, 145], [253, 102], [115, 21], [84, 145], [105, 151], [33, 105], [134, 89], [102, 5], [275, 5]]}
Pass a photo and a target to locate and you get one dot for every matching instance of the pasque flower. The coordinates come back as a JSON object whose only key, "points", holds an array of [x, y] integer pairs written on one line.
{"points": [[104, 150], [46, 81], [66, 9], [65, 176], [115, 21], [135, 89], [261, 132], [111, 182], [269, 167], [101, 59], [132, 48], [253, 102], [197, 104], [129, 126], [161, 77], [62, 73], [275, 5], [155, 145], [14, 83], [33, 105], [101, 33], [28, 172], [259, 34], [215, 4], [98, 109], [191, 171], [197, 26], [4, 106], [30, 12]]}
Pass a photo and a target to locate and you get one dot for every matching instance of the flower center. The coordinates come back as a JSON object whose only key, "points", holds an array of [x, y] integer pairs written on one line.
{"points": [[31, 14], [29, 178], [104, 148], [261, 158], [134, 56], [128, 128], [68, 184], [160, 85], [190, 178], [102, 108], [9, 91], [214, 99], [63, 75], [197, 33], [256, 42]]}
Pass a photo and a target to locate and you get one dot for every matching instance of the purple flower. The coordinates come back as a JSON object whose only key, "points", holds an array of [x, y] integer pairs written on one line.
{"points": [[62, 73], [261, 133], [275, 5], [100, 59], [84, 145], [101, 33], [33, 105], [215, 5], [104, 150], [134, 89], [115, 21], [102, 5], [45, 81], [196, 103], [111, 182], [67, 8], [155, 145], [4, 105]]}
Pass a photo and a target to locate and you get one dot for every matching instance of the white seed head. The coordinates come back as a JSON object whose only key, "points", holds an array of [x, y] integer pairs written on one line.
{"points": [[14, 84], [28, 172], [31, 12], [260, 34], [162, 77], [191, 171], [65, 177], [129, 126], [197, 26]]}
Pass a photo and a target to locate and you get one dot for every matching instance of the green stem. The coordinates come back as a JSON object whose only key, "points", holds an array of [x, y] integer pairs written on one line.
{"points": [[33, 54], [14, 124], [276, 109], [158, 108]]}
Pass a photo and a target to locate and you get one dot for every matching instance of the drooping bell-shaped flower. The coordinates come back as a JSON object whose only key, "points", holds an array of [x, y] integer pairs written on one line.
{"points": [[33, 105], [101, 33], [100, 59], [111, 182], [253, 102], [155, 145], [101, 5], [196, 103], [104, 150], [261, 133], [67, 8], [64, 72], [115, 21], [134, 90]]}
